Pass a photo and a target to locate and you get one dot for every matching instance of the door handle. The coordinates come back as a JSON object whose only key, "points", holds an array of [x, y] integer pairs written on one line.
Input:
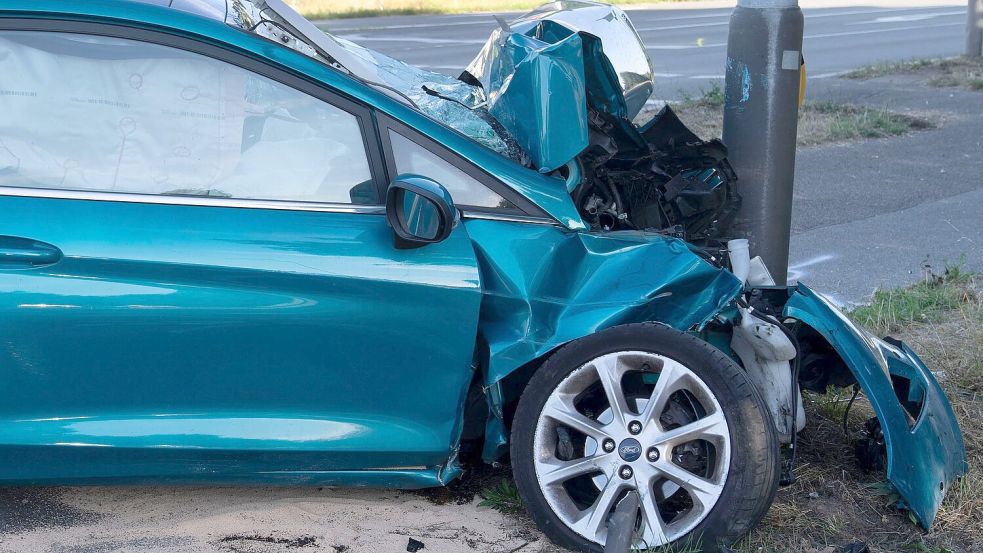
{"points": [[25, 253]]}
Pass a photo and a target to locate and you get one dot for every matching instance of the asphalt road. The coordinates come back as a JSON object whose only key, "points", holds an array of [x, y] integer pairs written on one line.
{"points": [[688, 44]]}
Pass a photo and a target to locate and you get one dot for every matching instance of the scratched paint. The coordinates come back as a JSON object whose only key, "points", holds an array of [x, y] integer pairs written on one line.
{"points": [[745, 83]]}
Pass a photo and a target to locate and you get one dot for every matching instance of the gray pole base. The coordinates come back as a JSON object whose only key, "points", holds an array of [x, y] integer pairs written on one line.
{"points": [[974, 29], [761, 110]]}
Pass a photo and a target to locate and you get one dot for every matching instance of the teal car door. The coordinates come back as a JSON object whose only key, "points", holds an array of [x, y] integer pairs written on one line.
{"points": [[197, 280]]}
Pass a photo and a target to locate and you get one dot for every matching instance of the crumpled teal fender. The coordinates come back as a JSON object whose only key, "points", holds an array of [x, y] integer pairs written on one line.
{"points": [[925, 450], [545, 287], [536, 89]]}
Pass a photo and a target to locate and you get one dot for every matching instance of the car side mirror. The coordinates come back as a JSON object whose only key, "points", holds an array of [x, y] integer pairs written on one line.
{"points": [[420, 211]]}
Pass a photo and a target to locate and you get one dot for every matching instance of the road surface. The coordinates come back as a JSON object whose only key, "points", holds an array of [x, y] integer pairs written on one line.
{"points": [[687, 42]]}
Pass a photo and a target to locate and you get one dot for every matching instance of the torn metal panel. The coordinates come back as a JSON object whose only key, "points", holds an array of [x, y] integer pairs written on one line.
{"points": [[624, 53], [925, 450], [587, 55], [544, 286], [766, 353], [515, 68]]}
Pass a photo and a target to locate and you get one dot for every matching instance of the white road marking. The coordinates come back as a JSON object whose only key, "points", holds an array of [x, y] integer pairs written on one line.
{"points": [[808, 37], [825, 75], [323, 24], [421, 40], [690, 26], [890, 30], [670, 46], [797, 270], [911, 17]]}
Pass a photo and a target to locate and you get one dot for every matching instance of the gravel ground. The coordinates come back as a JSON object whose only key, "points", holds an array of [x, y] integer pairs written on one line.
{"points": [[252, 520]]}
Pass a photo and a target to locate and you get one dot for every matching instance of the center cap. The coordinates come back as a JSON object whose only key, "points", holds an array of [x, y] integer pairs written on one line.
{"points": [[630, 450]]}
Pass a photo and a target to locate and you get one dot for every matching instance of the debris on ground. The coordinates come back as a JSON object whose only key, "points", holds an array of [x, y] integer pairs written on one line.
{"points": [[301, 541]]}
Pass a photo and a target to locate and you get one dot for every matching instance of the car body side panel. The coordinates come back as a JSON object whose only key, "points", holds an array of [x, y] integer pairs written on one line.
{"points": [[544, 286], [925, 454], [300, 340]]}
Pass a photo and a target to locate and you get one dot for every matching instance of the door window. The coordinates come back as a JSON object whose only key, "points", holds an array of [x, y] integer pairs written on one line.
{"points": [[93, 113], [464, 189]]}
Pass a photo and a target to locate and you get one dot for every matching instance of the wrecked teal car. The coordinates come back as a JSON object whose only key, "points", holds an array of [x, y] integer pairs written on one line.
{"points": [[234, 248]]}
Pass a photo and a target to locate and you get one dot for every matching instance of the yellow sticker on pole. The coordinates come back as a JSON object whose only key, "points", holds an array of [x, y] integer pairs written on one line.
{"points": [[802, 80]]}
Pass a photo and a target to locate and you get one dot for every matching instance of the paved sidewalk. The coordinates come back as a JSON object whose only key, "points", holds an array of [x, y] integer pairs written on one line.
{"points": [[872, 214]]}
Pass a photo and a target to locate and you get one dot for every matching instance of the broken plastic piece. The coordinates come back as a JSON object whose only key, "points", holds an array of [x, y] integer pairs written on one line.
{"points": [[621, 525]]}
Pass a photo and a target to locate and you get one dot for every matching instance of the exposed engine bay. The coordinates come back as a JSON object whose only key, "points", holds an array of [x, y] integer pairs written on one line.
{"points": [[665, 178], [657, 175]]}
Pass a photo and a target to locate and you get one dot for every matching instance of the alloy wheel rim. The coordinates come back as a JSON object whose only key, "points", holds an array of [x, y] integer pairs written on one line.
{"points": [[671, 442]]}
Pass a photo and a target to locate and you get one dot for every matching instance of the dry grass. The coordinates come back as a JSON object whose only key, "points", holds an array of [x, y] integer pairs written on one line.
{"points": [[323, 9], [819, 122], [962, 72], [833, 503]]}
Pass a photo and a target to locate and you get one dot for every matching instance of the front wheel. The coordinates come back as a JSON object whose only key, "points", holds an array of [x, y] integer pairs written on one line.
{"points": [[648, 408]]}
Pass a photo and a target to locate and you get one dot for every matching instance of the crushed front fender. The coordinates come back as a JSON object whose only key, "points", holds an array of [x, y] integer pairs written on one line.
{"points": [[925, 450], [544, 286]]}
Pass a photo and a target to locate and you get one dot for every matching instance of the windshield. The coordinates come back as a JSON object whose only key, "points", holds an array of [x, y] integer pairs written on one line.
{"points": [[454, 103]]}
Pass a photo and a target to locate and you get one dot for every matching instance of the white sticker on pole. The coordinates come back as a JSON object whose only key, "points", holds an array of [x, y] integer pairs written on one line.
{"points": [[791, 60]]}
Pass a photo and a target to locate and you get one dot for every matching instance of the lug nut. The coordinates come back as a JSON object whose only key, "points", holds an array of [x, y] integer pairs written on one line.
{"points": [[634, 427], [652, 454], [625, 472], [608, 445]]}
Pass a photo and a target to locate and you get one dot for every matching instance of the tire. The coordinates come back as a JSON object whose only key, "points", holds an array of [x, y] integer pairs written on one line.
{"points": [[735, 459]]}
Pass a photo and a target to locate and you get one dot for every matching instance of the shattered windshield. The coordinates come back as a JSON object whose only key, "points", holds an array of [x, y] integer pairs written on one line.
{"points": [[458, 105]]}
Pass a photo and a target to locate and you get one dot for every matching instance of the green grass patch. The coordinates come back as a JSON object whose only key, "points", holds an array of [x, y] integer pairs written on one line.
{"points": [[832, 404], [503, 497], [822, 122], [819, 122], [891, 68], [712, 97], [950, 72], [928, 301]]}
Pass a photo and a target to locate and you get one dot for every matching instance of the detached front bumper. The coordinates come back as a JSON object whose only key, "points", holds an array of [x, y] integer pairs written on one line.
{"points": [[925, 450]]}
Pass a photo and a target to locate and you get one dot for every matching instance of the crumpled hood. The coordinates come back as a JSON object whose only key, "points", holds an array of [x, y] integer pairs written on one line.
{"points": [[585, 54]]}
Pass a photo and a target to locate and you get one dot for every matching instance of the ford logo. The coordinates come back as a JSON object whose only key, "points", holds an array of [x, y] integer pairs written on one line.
{"points": [[630, 449]]}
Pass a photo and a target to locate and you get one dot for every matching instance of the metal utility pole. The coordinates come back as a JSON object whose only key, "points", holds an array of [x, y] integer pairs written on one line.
{"points": [[761, 111], [974, 29]]}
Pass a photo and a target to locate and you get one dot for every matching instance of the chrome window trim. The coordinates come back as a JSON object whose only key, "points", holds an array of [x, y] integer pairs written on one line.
{"points": [[199, 201], [510, 218]]}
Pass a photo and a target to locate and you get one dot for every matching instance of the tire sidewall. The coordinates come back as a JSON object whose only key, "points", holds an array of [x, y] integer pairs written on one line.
{"points": [[747, 493]]}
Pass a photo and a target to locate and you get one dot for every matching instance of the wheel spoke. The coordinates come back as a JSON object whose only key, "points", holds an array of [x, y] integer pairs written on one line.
{"points": [[711, 426], [565, 414], [668, 382], [579, 461], [610, 376], [562, 472], [702, 491], [593, 522], [655, 528]]}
